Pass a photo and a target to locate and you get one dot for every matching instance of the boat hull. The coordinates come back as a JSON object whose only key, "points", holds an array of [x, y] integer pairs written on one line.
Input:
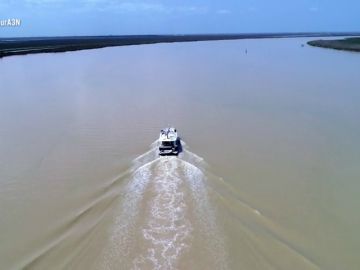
{"points": [[168, 152]]}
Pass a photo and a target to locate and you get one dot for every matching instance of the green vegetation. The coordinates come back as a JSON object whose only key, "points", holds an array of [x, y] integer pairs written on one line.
{"points": [[18, 46], [346, 44]]}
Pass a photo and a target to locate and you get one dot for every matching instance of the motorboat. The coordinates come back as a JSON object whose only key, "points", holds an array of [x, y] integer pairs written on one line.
{"points": [[168, 142]]}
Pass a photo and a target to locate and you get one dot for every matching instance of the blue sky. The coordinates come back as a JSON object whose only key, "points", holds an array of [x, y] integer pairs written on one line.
{"points": [[104, 17]]}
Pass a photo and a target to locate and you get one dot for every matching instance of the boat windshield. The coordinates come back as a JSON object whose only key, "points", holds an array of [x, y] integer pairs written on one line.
{"points": [[168, 143]]}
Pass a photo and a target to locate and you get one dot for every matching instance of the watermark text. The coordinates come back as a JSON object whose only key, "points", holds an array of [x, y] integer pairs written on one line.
{"points": [[10, 22]]}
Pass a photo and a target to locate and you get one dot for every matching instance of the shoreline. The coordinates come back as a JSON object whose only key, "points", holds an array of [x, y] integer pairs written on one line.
{"points": [[23, 46], [346, 44]]}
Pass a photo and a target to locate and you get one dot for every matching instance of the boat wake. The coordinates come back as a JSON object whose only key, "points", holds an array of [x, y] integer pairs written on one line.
{"points": [[164, 217]]}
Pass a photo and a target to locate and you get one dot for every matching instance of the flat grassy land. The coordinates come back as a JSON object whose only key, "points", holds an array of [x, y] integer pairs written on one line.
{"points": [[346, 44], [19, 46]]}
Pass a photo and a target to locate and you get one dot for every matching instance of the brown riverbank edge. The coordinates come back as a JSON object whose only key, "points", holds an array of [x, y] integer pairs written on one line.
{"points": [[346, 44], [21, 46]]}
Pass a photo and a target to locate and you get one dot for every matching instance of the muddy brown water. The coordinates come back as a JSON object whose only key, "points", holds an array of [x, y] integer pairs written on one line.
{"points": [[268, 179]]}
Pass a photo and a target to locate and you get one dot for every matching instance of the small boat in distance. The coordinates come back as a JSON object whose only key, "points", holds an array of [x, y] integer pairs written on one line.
{"points": [[169, 142]]}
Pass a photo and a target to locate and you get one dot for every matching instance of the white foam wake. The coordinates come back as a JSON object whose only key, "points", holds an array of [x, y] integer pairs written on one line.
{"points": [[162, 202], [206, 214], [168, 229], [121, 236]]}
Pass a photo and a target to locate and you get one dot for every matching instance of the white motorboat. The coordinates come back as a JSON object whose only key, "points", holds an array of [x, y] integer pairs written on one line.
{"points": [[169, 142]]}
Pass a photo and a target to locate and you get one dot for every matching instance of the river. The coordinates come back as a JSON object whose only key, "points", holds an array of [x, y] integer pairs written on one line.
{"points": [[268, 177]]}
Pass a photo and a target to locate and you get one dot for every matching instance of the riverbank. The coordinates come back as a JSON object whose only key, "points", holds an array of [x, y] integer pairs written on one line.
{"points": [[346, 44], [21, 46]]}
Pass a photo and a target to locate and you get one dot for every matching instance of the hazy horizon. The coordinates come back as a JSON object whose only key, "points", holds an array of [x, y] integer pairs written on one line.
{"points": [[300, 34], [139, 17]]}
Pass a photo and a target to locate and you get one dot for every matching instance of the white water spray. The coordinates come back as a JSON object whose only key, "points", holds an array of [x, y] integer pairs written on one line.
{"points": [[162, 200]]}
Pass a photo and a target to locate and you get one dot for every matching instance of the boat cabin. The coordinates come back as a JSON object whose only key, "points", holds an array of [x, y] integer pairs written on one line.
{"points": [[169, 142]]}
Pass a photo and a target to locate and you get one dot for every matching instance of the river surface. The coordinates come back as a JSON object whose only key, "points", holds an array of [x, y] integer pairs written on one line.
{"points": [[269, 176]]}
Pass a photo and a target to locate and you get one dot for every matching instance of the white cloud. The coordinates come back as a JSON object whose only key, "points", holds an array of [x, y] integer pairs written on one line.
{"points": [[137, 6], [191, 9], [314, 9], [117, 6], [141, 6], [223, 11], [44, 2], [111, 6]]}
